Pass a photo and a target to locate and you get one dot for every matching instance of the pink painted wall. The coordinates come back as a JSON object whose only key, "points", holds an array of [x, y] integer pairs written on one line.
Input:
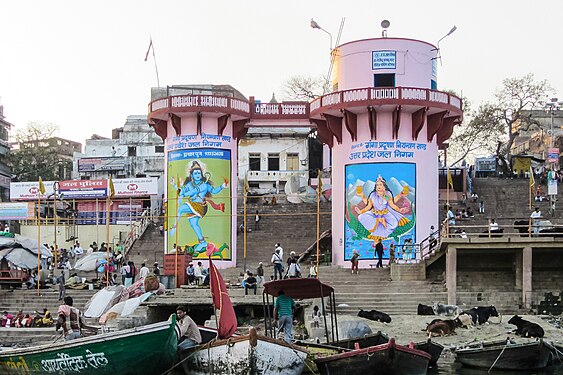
{"points": [[414, 63], [209, 126], [413, 68]]}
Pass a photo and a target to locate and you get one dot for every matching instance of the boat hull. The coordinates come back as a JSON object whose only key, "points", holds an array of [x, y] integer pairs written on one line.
{"points": [[244, 355], [149, 349], [529, 356], [385, 359]]}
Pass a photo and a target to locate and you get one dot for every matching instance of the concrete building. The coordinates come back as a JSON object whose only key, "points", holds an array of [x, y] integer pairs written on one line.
{"points": [[133, 151], [5, 173], [536, 141]]}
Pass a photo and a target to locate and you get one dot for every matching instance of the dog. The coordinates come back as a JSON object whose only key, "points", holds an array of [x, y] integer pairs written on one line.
{"points": [[464, 320], [447, 310], [481, 314], [424, 310], [439, 327], [526, 328], [375, 315]]}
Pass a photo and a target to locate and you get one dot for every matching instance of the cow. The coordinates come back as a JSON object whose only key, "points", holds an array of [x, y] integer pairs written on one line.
{"points": [[439, 327], [464, 320], [447, 310], [375, 315], [526, 328], [424, 310], [481, 314]]}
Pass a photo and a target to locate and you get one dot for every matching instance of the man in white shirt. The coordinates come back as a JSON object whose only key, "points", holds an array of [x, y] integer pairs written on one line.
{"points": [[198, 273], [536, 216], [493, 226], [78, 251], [7, 228], [278, 247], [144, 271]]}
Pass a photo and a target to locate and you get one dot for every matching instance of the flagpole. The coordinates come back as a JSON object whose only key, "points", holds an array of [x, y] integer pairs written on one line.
{"points": [[107, 238], [155, 66], [177, 230], [319, 191], [447, 191], [244, 225], [38, 237], [56, 189]]}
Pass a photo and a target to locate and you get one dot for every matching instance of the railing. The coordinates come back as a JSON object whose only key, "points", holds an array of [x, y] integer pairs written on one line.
{"points": [[137, 230]]}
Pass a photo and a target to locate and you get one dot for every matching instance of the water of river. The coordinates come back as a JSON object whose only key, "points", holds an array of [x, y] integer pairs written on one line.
{"points": [[447, 366]]}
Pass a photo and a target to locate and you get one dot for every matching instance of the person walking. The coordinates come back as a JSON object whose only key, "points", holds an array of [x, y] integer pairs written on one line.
{"points": [[61, 280], [481, 207], [379, 251], [277, 261], [284, 308], [354, 261]]}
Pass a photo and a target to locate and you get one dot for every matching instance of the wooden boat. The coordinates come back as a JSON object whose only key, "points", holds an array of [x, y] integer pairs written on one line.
{"points": [[429, 346], [384, 359], [149, 349], [244, 355], [315, 351], [506, 355]]}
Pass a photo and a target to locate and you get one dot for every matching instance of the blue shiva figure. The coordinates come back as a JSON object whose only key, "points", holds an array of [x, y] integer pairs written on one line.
{"points": [[195, 193]]}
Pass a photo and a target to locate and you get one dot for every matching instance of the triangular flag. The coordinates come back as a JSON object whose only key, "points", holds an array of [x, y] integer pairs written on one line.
{"points": [[111, 188], [532, 180], [41, 186], [149, 50], [222, 302]]}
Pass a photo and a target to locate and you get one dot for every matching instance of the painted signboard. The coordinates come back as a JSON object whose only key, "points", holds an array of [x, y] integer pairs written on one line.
{"points": [[199, 206], [83, 188], [384, 59], [380, 204], [17, 211]]}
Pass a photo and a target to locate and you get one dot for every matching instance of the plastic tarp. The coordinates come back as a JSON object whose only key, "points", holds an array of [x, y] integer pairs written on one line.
{"points": [[99, 303], [7, 242], [31, 245], [88, 263], [22, 258], [353, 328], [124, 308]]}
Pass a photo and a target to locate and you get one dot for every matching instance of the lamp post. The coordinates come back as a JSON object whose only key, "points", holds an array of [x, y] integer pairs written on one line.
{"points": [[315, 25], [552, 106]]}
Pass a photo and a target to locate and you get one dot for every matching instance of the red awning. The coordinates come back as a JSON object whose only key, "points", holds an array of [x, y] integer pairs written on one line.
{"points": [[299, 288]]}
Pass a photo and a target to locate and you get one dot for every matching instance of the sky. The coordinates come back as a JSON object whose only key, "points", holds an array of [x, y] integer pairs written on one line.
{"points": [[80, 63]]}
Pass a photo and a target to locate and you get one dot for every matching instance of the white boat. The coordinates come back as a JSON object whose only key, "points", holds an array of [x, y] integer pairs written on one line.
{"points": [[244, 355]]}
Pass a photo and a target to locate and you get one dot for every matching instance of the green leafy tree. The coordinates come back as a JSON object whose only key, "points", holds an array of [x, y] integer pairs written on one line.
{"points": [[37, 154]]}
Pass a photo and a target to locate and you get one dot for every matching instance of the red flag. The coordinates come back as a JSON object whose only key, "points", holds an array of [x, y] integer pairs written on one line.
{"points": [[222, 302], [148, 50]]}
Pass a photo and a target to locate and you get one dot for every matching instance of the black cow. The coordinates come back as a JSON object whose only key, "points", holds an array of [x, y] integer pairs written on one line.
{"points": [[424, 310], [375, 315], [481, 314], [526, 328]]}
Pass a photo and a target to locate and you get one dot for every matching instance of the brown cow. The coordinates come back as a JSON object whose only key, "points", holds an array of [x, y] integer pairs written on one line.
{"points": [[440, 327]]}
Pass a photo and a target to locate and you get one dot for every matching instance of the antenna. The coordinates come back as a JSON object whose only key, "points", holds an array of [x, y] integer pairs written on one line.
{"points": [[385, 24], [333, 56]]}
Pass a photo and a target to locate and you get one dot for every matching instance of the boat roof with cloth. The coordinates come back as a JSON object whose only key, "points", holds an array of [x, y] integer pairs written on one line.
{"points": [[299, 288]]}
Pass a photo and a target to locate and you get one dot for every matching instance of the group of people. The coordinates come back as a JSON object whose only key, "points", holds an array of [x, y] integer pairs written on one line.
{"points": [[21, 320], [197, 275]]}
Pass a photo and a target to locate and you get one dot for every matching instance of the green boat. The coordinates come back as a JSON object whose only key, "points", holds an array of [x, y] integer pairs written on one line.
{"points": [[149, 349]]}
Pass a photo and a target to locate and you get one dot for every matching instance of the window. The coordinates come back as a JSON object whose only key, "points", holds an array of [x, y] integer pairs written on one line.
{"points": [[132, 151], [433, 85], [292, 163], [159, 149], [273, 162], [384, 80], [254, 162]]}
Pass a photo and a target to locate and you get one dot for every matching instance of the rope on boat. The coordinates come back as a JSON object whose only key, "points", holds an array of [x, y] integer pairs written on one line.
{"points": [[557, 351], [208, 344], [495, 362]]}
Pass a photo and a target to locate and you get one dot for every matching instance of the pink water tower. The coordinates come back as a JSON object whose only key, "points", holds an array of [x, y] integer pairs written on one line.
{"points": [[385, 122]]}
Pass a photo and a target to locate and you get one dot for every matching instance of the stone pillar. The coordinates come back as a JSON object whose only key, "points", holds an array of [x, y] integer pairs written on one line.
{"points": [[518, 270], [527, 277], [451, 274]]}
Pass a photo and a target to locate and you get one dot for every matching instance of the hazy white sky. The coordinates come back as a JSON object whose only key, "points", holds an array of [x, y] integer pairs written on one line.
{"points": [[79, 64]]}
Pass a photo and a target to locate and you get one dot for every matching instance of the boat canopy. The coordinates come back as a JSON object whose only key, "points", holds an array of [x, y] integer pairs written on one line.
{"points": [[299, 288]]}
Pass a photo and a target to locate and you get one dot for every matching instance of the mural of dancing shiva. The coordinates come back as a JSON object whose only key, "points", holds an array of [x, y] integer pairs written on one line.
{"points": [[380, 204]]}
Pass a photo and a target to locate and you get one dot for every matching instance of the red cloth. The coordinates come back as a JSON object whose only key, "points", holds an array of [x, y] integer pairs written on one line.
{"points": [[222, 303]]}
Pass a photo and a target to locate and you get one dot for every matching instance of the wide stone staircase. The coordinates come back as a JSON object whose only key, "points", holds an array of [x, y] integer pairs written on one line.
{"points": [[148, 248]]}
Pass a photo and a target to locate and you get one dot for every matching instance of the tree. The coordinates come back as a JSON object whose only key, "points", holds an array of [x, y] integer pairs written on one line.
{"points": [[303, 88], [494, 126], [38, 154]]}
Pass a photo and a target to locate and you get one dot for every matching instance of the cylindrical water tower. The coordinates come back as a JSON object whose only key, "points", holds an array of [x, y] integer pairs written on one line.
{"points": [[200, 135], [385, 121]]}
